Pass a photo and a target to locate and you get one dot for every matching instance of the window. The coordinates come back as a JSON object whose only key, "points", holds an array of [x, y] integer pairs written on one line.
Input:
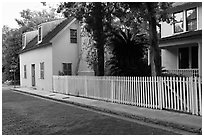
{"points": [[178, 22], [183, 58], [39, 33], [67, 68], [25, 73], [191, 19], [188, 57], [194, 57], [73, 36], [42, 70]]}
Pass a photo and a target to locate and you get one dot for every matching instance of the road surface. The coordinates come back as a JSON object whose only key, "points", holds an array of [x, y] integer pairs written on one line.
{"points": [[24, 114]]}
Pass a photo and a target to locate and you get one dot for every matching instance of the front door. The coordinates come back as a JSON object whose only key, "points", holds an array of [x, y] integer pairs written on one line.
{"points": [[33, 74]]}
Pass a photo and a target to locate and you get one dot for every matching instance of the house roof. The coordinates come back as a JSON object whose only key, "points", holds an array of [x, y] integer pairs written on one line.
{"points": [[186, 35], [33, 44], [178, 6]]}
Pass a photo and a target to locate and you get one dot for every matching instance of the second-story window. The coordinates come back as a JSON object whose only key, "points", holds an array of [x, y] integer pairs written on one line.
{"points": [[39, 33], [178, 22], [191, 19], [73, 35]]}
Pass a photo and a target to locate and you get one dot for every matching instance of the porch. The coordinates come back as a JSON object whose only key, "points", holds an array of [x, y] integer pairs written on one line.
{"points": [[184, 72], [181, 54]]}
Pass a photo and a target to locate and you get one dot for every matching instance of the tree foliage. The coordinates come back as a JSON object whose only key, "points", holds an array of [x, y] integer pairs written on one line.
{"points": [[139, 17], [92, 15], [30, 19], [12, 39], [151, 13], [128, 52], [11, 44], [97, 18]]}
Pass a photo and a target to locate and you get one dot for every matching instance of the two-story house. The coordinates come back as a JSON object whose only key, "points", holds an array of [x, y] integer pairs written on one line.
{"points": [[181, 41], [53, 49]]}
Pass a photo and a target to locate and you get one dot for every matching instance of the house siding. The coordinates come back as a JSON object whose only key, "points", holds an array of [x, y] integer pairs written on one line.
{"points": [[36, 57], [64, 51], [169, 58], [200, 18]]}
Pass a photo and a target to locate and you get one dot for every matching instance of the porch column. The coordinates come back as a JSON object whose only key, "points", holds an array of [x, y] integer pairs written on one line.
{"points": [[200, 58]]}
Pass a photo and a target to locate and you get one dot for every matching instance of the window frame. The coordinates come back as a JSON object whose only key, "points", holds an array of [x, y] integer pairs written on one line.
{"points": [[174, 23], [39, 33], [42, 70], [194, 19], [73, 35], [190, 59], [25, 71], [67, 68]]}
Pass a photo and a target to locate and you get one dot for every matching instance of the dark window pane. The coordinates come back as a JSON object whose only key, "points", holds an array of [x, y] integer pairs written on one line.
{"points": [[39, 33], [194, 57], [42, 70], [25, 76], [191, 25], [73, 36], [183, 58], [67, 68]]}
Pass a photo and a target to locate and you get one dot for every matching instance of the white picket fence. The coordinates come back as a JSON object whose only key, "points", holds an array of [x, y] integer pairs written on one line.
{"points": [[173, 93]]}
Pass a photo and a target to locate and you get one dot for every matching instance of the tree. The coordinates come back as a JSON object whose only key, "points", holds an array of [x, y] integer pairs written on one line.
{"points": [[127, 54], [11, 44], [152, 13], [31, 19], [135, 15], [12, 39], [98, 18], [92, 15]]}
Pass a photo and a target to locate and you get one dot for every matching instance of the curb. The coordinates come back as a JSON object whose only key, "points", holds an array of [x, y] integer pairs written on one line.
{"points": [[124, 114]]}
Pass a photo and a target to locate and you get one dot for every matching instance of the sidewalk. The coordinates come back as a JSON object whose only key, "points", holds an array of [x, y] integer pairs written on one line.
{"points": [[187, 122]]}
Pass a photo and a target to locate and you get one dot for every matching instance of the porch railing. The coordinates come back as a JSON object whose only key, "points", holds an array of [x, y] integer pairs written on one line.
{"points": [[185, 72]]}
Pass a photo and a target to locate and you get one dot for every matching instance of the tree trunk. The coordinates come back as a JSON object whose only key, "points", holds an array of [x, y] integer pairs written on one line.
{"points": [[155, 54], [99, 37]]}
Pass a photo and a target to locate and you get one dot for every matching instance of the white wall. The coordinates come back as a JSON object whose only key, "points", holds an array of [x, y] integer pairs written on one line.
{"points": [[169, 58], [64, 51], [36, 57]]}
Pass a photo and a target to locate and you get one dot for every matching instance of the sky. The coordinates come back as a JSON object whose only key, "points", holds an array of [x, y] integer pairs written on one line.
{"points": [[11, 10]]}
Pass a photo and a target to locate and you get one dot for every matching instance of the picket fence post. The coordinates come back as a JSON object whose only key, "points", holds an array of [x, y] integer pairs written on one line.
{"points": [[160, 92], [182, 94], [112, 90], [85, 85]]}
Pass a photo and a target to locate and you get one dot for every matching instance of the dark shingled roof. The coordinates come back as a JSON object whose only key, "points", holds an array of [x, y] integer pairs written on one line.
{"points": [[33, 44], [186, 35]]}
